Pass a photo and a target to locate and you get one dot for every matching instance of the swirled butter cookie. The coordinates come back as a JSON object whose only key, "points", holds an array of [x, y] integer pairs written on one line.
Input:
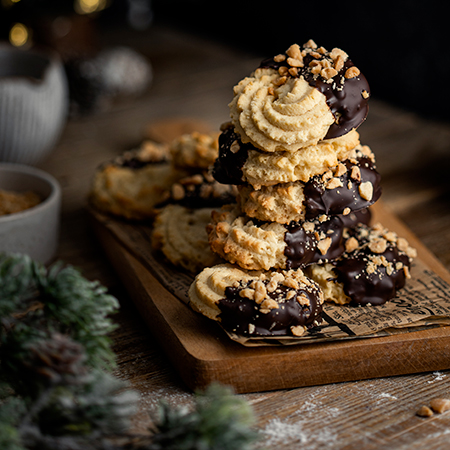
{"points": [[256, 245], [240, 163], [255, 303], [180, 234], [298, 98], [195, 151], [131, 185], [352, 185], [374, 267]]}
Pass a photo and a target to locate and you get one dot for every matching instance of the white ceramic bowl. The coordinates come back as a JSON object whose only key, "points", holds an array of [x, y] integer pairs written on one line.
{"points": [[33, 103], [34, 231]]}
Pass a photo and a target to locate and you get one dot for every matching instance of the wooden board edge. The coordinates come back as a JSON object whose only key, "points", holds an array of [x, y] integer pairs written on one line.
{"points": [[255, 369]]}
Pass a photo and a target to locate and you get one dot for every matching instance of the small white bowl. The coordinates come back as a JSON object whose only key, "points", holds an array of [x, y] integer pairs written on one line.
{"points": [[34, 231]]}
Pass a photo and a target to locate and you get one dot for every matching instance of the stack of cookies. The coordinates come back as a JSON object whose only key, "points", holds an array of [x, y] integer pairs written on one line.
{"points": [[300, 231]]}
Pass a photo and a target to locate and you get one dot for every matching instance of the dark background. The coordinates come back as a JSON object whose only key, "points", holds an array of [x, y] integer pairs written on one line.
{"points": [[403, 47]]}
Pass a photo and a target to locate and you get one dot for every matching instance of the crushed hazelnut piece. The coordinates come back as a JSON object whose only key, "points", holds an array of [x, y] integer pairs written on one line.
{"points": [[298, 330], [440, 405], [279, 58], [303, 299], [283, 70], [310, 44], [270, 90], [365, 94], [339, 63], [351, 244], [247, 293], [279, 81], [336, 52], [346, 211], [293, 62], [290, 295], [234, 148], [366, 190], [355, 173], [177, 191], [294, 51], [290, 282], [424, 411], [334, 183], [378, 245], [328, 73], [406, 272], [260, 292], [269, 304], [340, 170], [251, 328], [327, 175], [351, 72], [308, 227], [323, 245], [293, 71]]}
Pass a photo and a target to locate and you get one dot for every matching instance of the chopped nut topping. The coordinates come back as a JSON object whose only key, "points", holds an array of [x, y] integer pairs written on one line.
{"points": [[440, 405], [346, 211], [352, 72], [328, 73], [295, 62], [298, 330], [247, 293], [178, 191], [303, 299], [283, 70], [308, 227], [366, 190], [339, 63], [293, 71], [279, 58], [355, 173], [378, 245], [340, 170], [365, 94], [323, 245], [294, 51], [290, 282], [234, 148], [310, 44], [424, 411], [251, 328], [334, 183], [279, 81], [269, 304], [260, 292], [290, 294], [351, 244]]}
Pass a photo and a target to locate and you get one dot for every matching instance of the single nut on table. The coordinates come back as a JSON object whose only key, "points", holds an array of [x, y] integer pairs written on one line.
{"points": [[424, 411], [440, 405]]}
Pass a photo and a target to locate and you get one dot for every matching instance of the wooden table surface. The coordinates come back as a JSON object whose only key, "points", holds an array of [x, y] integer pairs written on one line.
{"points": [[193, 79]]}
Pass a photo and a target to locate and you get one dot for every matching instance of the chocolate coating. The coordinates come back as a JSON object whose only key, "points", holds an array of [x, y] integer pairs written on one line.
{"points": [[319, 200], [237, 312], [374, 288], [227, 168], [343, 96], [301, 246]]}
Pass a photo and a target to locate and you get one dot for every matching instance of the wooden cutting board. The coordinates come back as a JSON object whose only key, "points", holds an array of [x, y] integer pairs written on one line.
{"points": [[202, 353]]}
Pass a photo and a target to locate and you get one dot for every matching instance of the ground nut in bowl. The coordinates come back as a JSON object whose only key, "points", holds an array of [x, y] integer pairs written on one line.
{"points": [[33, 231], [33, 105]]}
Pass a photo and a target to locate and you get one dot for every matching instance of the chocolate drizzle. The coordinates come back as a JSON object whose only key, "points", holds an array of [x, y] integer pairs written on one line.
{"points": [[302, 246], [227, 168], [244, 316], [319, 200], [343, 96]]}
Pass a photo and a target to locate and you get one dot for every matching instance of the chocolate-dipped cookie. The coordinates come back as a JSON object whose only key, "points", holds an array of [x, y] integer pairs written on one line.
{"points": [[256, 303], [375, 265], [256, 245], [352, 185]]}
